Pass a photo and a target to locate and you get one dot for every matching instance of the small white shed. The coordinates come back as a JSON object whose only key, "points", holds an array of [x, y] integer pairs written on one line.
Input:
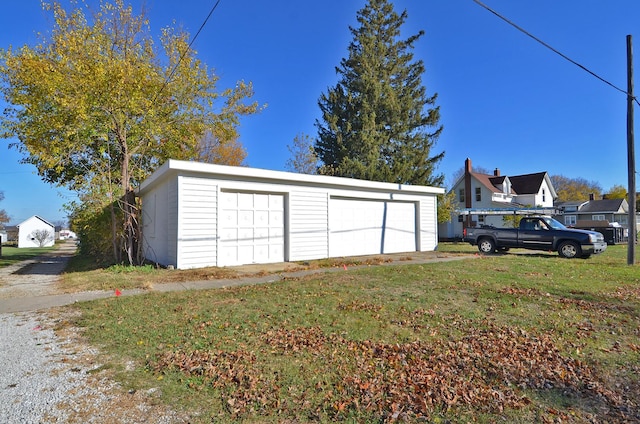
{"points": [[36, 232], [197, 215]]}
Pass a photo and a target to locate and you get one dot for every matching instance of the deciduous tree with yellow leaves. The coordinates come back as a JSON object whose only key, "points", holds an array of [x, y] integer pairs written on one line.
{"points": [[96, 106]]}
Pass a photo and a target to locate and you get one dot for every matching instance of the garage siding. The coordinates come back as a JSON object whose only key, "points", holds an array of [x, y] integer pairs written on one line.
{"points": [[197, 231], [428, 224], [172, 221], [308, 223]]}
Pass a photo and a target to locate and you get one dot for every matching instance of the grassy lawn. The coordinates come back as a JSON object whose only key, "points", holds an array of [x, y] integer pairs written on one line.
{"points": [[522, 338], [11, 255]]}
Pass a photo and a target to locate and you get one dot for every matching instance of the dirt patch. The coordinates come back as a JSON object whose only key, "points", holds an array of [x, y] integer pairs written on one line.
{"points": [[35, 277]]}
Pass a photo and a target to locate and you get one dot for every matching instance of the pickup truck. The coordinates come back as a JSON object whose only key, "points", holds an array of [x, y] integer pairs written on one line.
{"points": [[537, 233]]}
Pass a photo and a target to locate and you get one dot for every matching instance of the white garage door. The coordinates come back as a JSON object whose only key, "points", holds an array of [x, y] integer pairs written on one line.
{"points": [[251, 228], [367, 227]]}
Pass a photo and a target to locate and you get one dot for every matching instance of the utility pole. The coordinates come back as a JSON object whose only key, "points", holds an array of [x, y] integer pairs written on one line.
{"points": [[631, 157]]}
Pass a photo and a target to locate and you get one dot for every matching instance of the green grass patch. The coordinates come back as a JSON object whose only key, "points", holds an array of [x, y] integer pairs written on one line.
{"points": [[11, 255], [507, 338]]}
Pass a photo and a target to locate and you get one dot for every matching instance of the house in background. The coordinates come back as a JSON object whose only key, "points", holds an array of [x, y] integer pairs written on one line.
{"points": [[199, 215], [493, 193], [36, 232], [610, 210], [66, 234], [607, 216]]}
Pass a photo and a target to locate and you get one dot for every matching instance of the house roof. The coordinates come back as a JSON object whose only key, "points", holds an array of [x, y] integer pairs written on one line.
{"points": [[489, 181], [37, 217], [606, 206], [520, 184], [528, 183]]}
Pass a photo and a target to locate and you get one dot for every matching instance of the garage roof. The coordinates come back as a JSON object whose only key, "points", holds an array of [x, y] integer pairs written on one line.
{"points": [[172, 167]]}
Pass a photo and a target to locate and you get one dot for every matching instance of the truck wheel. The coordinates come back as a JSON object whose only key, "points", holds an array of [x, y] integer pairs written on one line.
{"points": [[486, 245], [569, 250]]}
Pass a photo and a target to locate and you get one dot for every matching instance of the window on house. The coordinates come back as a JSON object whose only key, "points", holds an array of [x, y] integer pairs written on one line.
{"points": [[478, 194], [460, 218], [544, 195], [461, 195], [570, 220], [597, 217], [481, 219]]}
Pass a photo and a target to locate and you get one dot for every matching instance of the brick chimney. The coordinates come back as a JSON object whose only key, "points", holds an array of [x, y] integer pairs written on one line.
{"points": [[467, 166], [496, 172]]}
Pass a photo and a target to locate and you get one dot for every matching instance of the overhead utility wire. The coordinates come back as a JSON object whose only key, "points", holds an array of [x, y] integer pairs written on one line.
{"points": [[184, 53], [552, 49]]}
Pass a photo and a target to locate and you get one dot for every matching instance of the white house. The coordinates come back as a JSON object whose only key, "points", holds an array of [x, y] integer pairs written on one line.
{"points": [[495, 192], [199, 215], [66, 234], [36, 232]]}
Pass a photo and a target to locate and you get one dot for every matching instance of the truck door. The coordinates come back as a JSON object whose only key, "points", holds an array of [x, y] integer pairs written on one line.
{"points": [[535, 234]]}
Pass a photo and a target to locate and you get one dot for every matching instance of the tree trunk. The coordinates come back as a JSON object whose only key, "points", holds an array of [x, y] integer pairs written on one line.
{"points": [[129, 211], [114, 233]]}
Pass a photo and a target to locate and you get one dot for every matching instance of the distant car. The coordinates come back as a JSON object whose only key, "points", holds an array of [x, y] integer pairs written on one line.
{"points": [[538, 233]]}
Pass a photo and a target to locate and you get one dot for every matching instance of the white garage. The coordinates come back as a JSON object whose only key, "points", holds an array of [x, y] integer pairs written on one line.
{"points": [[199, 215]]}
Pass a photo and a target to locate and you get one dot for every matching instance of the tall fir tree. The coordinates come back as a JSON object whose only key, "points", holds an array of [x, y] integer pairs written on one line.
{"points": [[378, 122]]}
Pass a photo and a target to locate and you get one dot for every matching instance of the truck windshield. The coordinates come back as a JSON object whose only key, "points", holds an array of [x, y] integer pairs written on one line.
{"points": [[552, 223]]}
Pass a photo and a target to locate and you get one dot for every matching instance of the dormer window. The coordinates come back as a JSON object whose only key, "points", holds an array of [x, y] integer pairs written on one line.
{"points": [[506, 186]]}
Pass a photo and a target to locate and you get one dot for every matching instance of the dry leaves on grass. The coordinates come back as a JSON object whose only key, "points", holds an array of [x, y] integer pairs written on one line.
{"points": [[486, 370], [235, 374]]}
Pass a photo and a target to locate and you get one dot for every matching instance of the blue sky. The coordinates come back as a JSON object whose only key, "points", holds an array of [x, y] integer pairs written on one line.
{"points": [[506, 101]]}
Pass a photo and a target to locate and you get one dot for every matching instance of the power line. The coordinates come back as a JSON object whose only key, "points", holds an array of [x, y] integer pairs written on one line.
{"points": [[184, 53], [584, 68]]}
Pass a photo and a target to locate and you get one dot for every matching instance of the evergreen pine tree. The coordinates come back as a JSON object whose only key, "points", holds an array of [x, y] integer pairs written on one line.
{"points": [[374, 125]]}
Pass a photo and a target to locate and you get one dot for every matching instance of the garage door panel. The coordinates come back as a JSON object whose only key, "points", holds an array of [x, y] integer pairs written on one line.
{"points": [[366, 227], [261, 234], [245, 217], [229, 234], [245, 200], [261, 217], [257, 222], [276, 218]]}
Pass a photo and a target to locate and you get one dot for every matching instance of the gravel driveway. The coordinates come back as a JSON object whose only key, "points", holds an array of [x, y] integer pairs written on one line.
{"points": [[48, 374]]}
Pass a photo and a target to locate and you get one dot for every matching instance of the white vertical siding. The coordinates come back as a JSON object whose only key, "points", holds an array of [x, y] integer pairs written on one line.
{"points": [[308, 225], [172, 222], [197, 222], [155, 224], [428, 224]]}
